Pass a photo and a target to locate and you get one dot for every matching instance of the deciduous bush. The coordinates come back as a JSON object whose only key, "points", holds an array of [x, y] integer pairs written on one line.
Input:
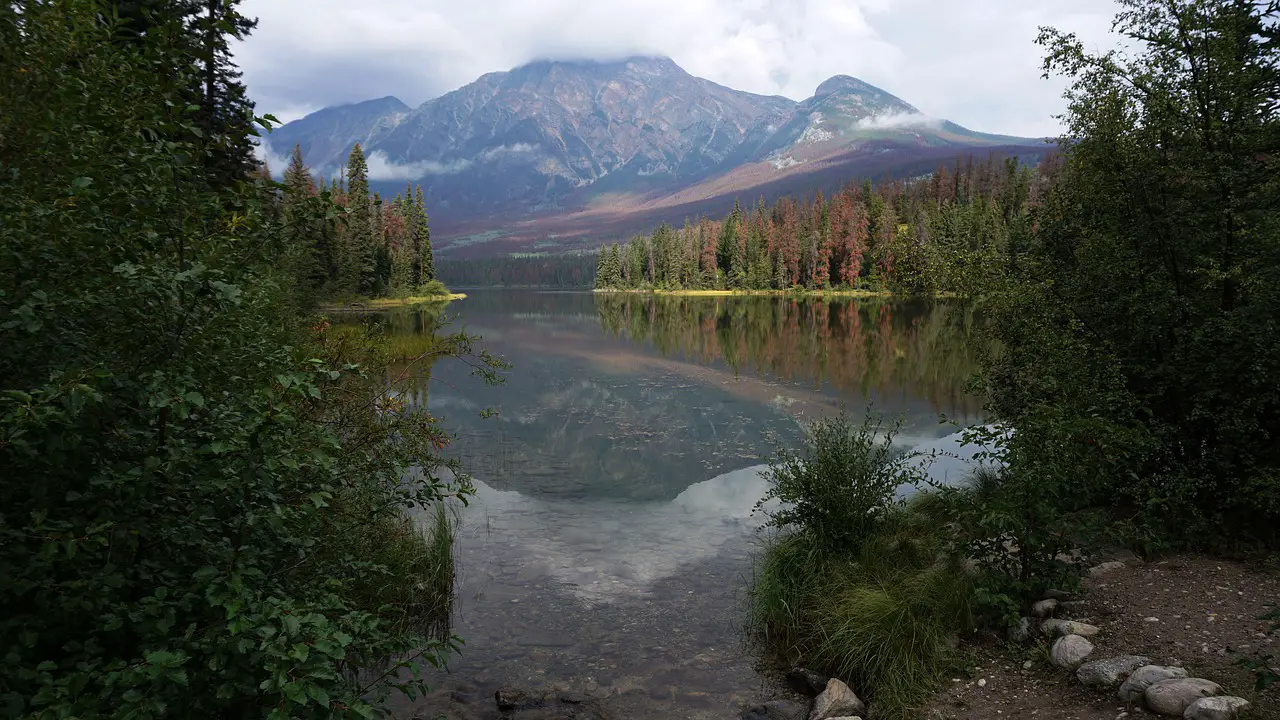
{"points": [[842, 483]]}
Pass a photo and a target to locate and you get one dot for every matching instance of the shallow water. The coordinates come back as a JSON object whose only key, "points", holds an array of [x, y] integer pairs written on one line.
{"points": [[608, 546]]}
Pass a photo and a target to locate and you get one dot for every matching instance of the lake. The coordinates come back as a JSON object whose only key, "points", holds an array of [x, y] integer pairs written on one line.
{"points": [[608, 547]]}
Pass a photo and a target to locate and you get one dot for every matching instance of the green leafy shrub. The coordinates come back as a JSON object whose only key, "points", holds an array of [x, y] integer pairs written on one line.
{"points": [[433, 287], [841, 485], [203, 496]]}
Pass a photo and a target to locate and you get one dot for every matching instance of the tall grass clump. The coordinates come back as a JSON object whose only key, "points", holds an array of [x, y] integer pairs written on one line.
{"points": [[413, 574], [852, 581]]}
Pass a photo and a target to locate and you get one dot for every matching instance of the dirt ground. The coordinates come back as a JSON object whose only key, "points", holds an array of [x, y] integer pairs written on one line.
{"points": [[1189, 610]]}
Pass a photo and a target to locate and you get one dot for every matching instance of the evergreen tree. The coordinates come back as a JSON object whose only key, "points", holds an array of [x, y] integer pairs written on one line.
{"points": [[356, 269], [422, 240], [198, 36], [603, 276], [615, 266]]}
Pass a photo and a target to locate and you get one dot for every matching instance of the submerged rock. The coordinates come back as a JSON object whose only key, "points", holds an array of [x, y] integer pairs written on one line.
{"points": [[1110, 672], [776, 710], [511, 698], [836, 701], [1175, 695], [806, 681], [1144, 677], [1070, 651]]}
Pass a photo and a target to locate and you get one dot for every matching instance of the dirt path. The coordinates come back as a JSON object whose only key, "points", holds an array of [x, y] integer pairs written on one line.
{"points": [[1189, 610]]}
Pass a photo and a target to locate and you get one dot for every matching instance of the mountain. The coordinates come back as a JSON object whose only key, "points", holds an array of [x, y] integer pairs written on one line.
{"points": [[555, 153]]}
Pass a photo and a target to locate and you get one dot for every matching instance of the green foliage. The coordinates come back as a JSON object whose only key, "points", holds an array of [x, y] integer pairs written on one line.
{"points": [[1262, 664], [202, 510], [881, 615], [948, 233], [1138, 319], [433, 288], [841, 485]]}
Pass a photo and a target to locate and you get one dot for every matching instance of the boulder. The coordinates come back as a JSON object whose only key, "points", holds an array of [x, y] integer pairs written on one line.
{"points": [[1044, 608], [1057, 595], [510, 698], [1070, 651], [1110, 672], [1059, 628], [837, 700], [1175, 695], [806, 681], [1222, 707], [776, 710], [1135, 686], [1106, 567], [1020, 631]]}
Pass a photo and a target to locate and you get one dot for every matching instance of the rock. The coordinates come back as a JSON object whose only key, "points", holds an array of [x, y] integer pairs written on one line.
{"points": [[836, 701], [1068, 652], [1044, 608], [1059, 628], [1135, 686], [1020, 631], [776, 710], [1106, 567], [510, 698], [1058, 595], [1174, 696], [806, 681], [1110, 672], [1223, 707]]}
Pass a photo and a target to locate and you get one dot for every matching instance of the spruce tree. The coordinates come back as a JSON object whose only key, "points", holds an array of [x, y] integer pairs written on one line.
{"points": [[422, 236], [356, 268], [602, 269]]}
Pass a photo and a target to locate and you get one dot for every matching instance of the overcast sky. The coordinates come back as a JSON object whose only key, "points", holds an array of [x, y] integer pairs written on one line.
{"points": [[970, 61]]}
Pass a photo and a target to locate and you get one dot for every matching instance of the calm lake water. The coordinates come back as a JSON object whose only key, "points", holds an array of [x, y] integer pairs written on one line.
{"points": [[609, 545]]}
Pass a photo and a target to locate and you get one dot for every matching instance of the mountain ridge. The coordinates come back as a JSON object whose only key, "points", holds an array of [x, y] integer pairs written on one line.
{"points": [[554, 139]]}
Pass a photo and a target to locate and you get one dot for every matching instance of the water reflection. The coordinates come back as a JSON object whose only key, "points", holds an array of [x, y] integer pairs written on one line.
{"points": [[607, 545], [917, 348]]}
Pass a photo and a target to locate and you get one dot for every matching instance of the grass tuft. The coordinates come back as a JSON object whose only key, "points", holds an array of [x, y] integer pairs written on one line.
{"points": [[881, 617]]}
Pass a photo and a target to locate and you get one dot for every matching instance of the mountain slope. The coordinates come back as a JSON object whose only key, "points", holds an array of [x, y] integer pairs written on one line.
{"points": [[512, 157], [326, 136]]}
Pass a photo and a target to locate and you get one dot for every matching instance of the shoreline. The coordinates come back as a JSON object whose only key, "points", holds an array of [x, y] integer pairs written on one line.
{"points": [[390, 303], [772, 293]]}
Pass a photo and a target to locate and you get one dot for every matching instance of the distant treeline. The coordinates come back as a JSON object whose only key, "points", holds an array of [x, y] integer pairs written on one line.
{"points": [[911, 236], [936, 233], [574, 271]]}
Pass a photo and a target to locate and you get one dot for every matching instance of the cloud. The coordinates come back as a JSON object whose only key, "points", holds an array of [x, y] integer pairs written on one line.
{"points": [[275, 163], [516, 148], [970, 61], [382, 168], [896, 120]]}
